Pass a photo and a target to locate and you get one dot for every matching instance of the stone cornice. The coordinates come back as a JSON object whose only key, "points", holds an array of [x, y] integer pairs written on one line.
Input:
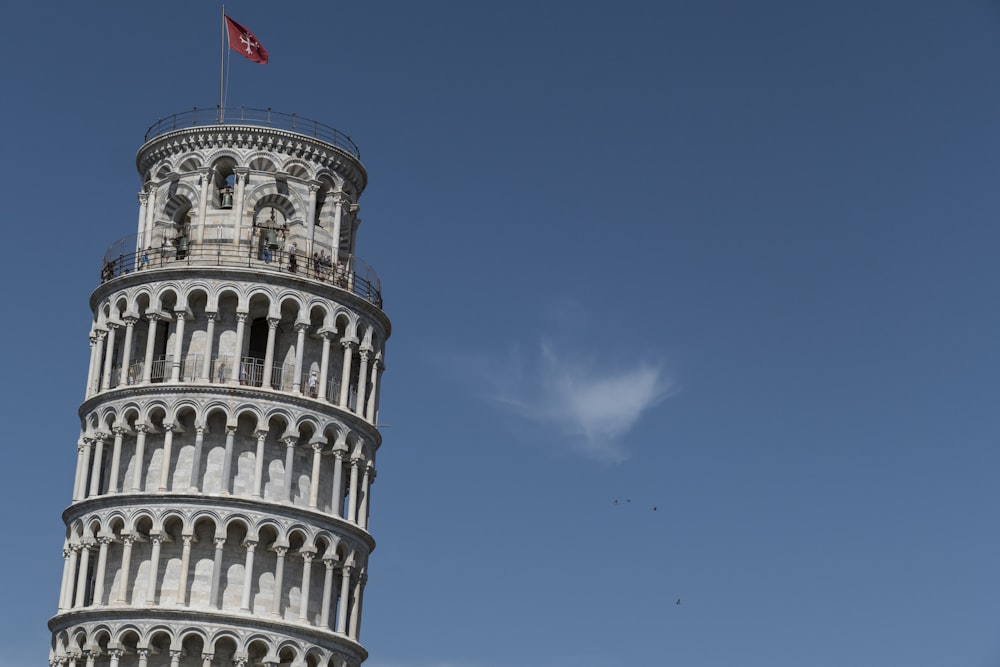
{"points": [[205, 619], [252, 138], [235, 504], [178, 273], [235, 394]]}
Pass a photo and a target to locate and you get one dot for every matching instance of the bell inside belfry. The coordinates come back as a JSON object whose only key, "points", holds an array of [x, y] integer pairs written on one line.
{"points": [[227, 198]]}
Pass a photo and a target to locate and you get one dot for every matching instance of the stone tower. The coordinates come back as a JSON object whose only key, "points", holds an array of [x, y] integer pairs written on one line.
{"points": [[229, 429]]}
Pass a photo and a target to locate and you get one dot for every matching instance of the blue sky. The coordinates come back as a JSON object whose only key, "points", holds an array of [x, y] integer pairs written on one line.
{"points": [[735, 261]]}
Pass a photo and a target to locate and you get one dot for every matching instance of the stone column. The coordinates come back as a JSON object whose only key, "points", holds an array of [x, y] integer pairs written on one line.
{"points": [[91, 382], [227, 459], [359, 408], [258, 471], [175, 658], [116, 656], [311, 221], [317, 448], [185, 565], [116, 459], [272, 325], [373, 392], [143, 654], [213, 595], [338, 212], [74, 550], [279, 575], [324, 619], [206, 364], [365, 492], [359, 587], [154, 569], [102, 563], [175, 365], [67, 574], [82, 463], [99, 359], [241, 323], [141, 226], [324, 365], [89, 655], [307, 558], [81, 577], [150, 213], [338, 482], [84, 476], [98, 464], [300, 330], [147, 367], [109, 355], [345, 373], [194, 486], [123, 378], [247, 576], [206, 181], [352, 493], [290, 443], [123, 578], [206, 659], [168, 443], [238, 204], [140, 454], [345, 594]]}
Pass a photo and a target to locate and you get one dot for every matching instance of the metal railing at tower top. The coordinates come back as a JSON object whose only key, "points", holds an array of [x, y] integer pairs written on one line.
{"points": [[347, 272], [198, 117]]}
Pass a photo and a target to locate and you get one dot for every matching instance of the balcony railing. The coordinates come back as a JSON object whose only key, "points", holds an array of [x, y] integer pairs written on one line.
{"points": [[250, 116], [348, 273]]}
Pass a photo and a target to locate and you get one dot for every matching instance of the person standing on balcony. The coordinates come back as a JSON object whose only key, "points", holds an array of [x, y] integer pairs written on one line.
{"points": [[312, 384], [292, 259]]}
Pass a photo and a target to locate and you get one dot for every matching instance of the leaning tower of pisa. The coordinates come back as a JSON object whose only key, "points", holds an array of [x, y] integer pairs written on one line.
{"points": [[220, 508]]}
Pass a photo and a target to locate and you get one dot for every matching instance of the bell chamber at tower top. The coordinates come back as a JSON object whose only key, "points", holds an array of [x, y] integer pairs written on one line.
{"points": [[248, 188]]}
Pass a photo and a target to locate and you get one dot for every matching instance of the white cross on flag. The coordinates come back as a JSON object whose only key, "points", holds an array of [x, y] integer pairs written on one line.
{"points": [[243, 41]]}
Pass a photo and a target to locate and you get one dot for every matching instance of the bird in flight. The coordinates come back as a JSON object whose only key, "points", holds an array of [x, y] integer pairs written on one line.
{"points": [[678, 601]]}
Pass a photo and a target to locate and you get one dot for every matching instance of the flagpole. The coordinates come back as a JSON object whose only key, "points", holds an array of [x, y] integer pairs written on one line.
{"points": [[222, 65]]}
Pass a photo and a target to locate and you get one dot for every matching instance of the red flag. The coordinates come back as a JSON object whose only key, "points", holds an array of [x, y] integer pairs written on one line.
{"points": [[243, 41]]}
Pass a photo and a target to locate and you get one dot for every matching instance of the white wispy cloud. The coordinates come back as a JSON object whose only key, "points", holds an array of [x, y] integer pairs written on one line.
{"points": [[589, 406]]}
